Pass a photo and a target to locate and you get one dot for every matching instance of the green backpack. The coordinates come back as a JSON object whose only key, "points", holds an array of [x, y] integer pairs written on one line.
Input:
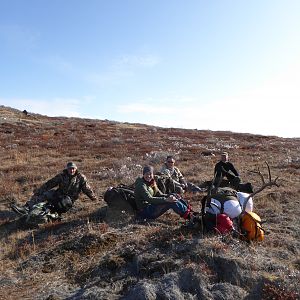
{"points": [[40, 213]]}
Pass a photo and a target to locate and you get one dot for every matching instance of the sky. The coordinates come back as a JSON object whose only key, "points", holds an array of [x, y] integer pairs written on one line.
{"points": [[214, 64]]}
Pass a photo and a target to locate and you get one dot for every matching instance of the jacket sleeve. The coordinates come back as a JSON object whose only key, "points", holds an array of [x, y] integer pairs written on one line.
{"points": [[165, 171], [180, 177], [233, 170], [218, 170], [86, 189], [158, 192], [142, 192], [48, 185]]}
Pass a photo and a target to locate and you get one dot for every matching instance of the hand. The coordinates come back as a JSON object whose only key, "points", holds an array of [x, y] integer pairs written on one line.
{"points": [[171, 198], [176, 195]]}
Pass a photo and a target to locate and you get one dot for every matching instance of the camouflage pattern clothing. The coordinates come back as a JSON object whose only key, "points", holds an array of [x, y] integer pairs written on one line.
{"points": [[174, 173], [67, 184], [178, 183], [176, 176]]}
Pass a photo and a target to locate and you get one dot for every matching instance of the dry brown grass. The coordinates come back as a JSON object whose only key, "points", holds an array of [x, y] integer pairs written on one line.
{"points": [[95, 254]]}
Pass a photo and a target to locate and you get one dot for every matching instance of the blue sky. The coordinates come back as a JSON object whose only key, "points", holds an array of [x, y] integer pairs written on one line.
{"points": [[218, 65]]}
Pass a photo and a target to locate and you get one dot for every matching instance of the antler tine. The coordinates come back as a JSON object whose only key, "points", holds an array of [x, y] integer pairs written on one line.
{"points": [[264, 185], [275, 183], [270, 176], [260, 174]]}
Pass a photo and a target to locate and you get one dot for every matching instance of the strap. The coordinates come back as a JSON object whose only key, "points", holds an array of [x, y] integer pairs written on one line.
{"points": [[221, 209]]}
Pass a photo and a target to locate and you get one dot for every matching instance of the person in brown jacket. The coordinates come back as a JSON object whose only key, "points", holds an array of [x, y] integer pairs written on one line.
{"points": [[69, 184]]}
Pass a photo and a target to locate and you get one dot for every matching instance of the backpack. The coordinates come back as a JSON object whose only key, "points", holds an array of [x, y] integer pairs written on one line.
{"points": [[41, 213], [224, 224], [224, 193], [219, 223], [223, 200], [251, 228], [61, 204], [120, 197]]}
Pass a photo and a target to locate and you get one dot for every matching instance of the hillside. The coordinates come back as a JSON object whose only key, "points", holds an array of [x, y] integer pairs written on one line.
{"points": [[96, 253]]}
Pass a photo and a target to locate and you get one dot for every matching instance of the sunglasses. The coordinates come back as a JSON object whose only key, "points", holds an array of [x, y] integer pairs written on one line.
{"points": [[170, 162]]}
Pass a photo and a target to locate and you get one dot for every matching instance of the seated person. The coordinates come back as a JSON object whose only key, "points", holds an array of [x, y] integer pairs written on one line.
{"points": [[152, 203], [224, 168], [178, 179], [69, 184]]}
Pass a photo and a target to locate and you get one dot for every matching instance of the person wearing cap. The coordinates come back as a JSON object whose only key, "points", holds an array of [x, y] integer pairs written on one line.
{"points": [[181, 185], [224, 168], [152, 203], [66, 185]]}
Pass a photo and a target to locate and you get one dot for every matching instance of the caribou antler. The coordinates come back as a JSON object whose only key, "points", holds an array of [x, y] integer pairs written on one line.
{"points": [[264, 184]]}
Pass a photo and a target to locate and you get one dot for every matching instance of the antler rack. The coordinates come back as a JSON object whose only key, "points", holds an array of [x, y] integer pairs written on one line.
{"points": [[264, 183]]}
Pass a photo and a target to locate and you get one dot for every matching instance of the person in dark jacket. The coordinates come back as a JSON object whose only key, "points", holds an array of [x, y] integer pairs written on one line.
{"points": [[224, 168], [152, 203], [69, 184]]}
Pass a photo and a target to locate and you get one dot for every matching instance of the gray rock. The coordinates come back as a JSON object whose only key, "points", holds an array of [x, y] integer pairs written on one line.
{"points": [[227, 291]]}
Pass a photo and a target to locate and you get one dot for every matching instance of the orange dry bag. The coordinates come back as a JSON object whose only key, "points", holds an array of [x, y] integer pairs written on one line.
{"points": [[251, 227]]}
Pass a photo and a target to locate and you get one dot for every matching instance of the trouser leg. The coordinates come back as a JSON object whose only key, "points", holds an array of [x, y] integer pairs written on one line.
{"points": [[34, 200], [154, 211], [217, 181], [234, 180], [47, 196]]}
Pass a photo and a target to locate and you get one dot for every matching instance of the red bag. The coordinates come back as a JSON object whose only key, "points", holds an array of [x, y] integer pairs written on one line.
{"points": [[223, 224]]}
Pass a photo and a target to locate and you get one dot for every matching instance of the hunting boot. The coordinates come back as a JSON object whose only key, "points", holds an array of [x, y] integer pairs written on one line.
{"points": [[193, 219], [21, 210], [195, 189]]}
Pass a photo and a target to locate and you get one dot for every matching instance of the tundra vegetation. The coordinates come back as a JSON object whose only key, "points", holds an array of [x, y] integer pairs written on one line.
{"points": [[96, 252]]}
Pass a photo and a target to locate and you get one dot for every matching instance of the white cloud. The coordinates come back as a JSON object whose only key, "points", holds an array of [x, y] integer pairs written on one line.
{"points": [[166, 105], [122, 68], [108, 77], [158, 106], [142, 108], [67, 107], [269, 109]]}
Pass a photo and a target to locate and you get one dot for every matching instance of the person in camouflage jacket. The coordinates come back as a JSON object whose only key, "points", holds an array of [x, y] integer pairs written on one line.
{"points": [[173, 172], [181, 185], [70, 183]]}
